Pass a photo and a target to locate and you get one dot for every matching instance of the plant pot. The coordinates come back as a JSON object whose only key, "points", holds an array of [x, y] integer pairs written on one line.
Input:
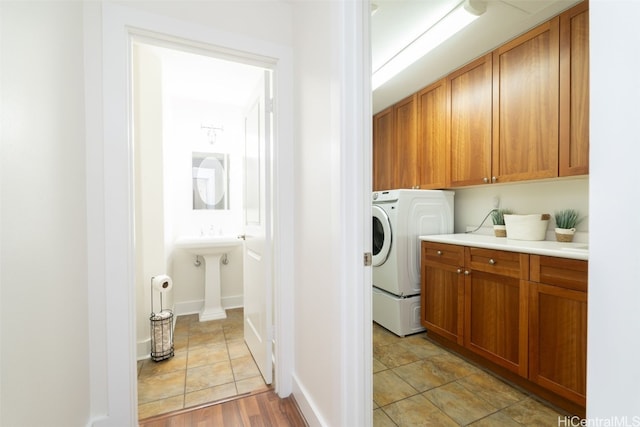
{"points": [[565, 234], [500, 230]]}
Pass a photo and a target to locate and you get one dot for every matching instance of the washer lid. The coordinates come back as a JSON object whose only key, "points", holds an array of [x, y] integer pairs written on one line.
{"points": [[381, 241]]}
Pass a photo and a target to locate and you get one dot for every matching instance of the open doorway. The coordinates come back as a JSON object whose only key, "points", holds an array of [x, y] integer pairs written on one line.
{"points": [[197, 116]]}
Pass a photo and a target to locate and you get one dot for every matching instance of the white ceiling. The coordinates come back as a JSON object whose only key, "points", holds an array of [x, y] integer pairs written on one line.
{"points": [[397, 22]]}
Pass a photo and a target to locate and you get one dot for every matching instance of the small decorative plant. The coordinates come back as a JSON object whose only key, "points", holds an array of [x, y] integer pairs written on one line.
{"points": [[567, 219], [497, 216]]}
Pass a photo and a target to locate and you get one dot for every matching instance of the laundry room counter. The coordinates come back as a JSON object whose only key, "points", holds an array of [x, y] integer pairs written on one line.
{"points": [[572, 250]]}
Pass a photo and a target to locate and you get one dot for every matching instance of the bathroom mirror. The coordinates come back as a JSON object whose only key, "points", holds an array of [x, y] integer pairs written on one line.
{"points": [[210, 181]]}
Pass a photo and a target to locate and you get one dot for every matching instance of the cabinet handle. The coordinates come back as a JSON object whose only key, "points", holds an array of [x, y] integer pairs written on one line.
{"points": [[494, 179], [439, 253], [492, 261], [459, 271], [467, 272], [485, 179]]}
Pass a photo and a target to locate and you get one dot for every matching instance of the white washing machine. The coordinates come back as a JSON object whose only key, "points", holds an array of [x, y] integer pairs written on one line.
{"points": [[399, 217]]}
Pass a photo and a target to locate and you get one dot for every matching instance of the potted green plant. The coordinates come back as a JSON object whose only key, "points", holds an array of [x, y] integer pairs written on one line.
{"points": [[566, 221], [497, 216]]}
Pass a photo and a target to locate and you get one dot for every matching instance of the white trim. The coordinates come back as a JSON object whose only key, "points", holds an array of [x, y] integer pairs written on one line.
{"points": [[194, 306], [111, 294], [357, 407], [306, 405]]}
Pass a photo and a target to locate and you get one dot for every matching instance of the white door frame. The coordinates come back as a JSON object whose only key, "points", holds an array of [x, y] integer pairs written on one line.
{"points": [[110, 198]]}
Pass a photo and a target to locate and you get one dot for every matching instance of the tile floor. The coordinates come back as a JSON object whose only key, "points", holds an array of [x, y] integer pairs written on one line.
{"points": [[418, 383], [211, 362]]}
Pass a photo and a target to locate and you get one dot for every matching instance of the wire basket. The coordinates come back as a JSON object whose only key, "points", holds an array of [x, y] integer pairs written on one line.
{"points": [[161, 335]]}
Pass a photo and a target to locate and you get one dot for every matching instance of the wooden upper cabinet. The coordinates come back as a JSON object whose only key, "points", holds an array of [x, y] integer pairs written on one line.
{"points": [[526, 97], [469, 123], [405, 164], [432, 143], [383, 146], [574, 91]]}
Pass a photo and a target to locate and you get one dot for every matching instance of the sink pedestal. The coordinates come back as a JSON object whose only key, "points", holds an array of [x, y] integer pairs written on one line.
{"points": [[211, 249], [212, 308]]}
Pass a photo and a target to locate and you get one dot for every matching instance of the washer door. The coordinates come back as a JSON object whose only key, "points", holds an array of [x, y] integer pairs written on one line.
{"points": [[381, 236]]}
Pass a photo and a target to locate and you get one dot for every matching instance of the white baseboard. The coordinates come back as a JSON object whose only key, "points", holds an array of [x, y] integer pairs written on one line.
{"points": [[194, 307], [306, 405], [143, 349]]}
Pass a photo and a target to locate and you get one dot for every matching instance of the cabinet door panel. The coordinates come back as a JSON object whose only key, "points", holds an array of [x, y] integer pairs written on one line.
{"points": [[526, 111], [405, 163], [496, 324], [558, 340], [432, 136], [383, 157], [442, 300], [574, 91], [470, 123]]}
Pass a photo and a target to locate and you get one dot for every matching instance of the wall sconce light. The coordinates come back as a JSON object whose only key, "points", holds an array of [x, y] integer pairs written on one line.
{"points": [[212, 132], [461, 16]]}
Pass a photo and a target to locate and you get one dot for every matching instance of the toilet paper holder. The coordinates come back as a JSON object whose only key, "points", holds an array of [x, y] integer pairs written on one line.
{"points": [[161, 323]]}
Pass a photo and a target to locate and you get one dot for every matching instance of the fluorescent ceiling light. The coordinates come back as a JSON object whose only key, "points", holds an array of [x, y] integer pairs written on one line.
{"points": [[464, 14]]}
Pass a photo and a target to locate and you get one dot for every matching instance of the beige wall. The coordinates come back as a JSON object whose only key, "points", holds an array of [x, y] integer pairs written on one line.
{"points": [[44, 358]]}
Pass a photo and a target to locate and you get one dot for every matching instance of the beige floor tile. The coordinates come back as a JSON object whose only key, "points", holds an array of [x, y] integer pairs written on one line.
{"points": [[394, 355], [421, 347], [453, 365], [212, 326], [181, 342], [491, 389], [210, 394], [383, 337], [176, 363], [208, 376], [237, 348], [378, 366], [233, 332], [417, 411], [380, 419], [499, 419], [161, 386], [389, 388], [459, 403], [251, 384], [206, 338], [207, 354], [530, 412], [424, 375], [162, 406], [244, 367]]}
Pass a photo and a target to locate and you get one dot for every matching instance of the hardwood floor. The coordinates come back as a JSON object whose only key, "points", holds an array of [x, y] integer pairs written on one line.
{"points": [[260, 410]]}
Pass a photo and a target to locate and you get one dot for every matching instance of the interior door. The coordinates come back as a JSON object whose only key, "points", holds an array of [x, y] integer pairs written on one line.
{"points": [[258, 324]]}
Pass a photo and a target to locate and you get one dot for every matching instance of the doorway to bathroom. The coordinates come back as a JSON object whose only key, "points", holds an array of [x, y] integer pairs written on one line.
{"points": [[201, 127]]}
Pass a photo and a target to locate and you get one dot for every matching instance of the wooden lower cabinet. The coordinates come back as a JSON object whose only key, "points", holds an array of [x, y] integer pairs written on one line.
{"points": [[558, 327], [496, 307], [443, 290], [526, 315]]}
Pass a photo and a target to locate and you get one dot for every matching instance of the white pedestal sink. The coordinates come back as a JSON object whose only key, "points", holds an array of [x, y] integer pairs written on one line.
{"points": [[211, 248]]}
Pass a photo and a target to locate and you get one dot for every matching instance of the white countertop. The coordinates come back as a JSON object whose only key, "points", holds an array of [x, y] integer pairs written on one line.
{"points": [[573, 250]]}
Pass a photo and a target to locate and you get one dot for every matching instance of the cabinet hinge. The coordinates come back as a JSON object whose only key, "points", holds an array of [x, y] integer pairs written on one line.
{"points": [[368, 259]]}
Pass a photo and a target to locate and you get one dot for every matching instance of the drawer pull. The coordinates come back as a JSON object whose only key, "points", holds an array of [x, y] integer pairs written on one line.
{"points": [[467, 272], [492, 261], [459, 271], [439, 253]]}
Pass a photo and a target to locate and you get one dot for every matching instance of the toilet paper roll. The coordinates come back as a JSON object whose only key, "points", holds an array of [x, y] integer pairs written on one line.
{"points": [[162, 283]]}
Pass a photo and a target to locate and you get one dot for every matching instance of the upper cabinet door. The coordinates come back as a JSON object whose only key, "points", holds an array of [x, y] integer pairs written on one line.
{"points": [[383, 147], [405, 133], [470, 123], [432, 136], [526, 112], [574, 91]]}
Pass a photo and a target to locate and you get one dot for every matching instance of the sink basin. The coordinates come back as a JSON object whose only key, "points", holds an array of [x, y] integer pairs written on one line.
{"points": [[207, 245], [211, 249]]}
